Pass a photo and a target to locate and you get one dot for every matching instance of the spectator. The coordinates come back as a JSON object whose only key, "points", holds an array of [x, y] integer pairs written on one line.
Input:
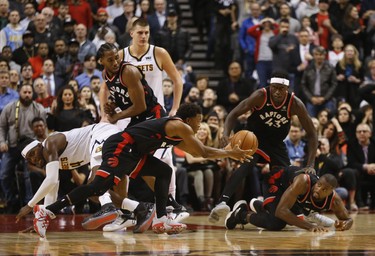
{"points": [[202, 170], [53, 82], [95, 82], [143, 9], [208, 102], [313, 36], [337, 53], [295, 145], [7, 95], [301, 58], [4, 11], [247, 42], [70, 66], [127, 13], [59, 50], [157, 19], [114, 10], [53, 23], [294, 24], [85, 45], [41, 32], [62, 15], [27, 74], [27, 50], [28, 14], [68, 30], [15, 121], [352, 29], [43, 97], [168, 94], [319, 83], [7, 55], [87, 102], [345, 118], [174, 39], [38, 60], [14, 79], [349, 76], [67, 115], [321, 23], [11, 35], [201, 84], [81, 12], [101, 27], [323, 117], [361, 156], [89, 71], [193, 96], [234, 88], [263, 53], [306, 9]]}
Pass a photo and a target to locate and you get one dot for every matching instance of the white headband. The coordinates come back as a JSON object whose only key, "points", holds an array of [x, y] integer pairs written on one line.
{"points": [[29, 146], [278, 80]]}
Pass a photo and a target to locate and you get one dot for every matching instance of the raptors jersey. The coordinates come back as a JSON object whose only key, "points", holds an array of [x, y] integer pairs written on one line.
{"points": [[77, 151], [119, 94], [150, 135], [153, 73], [307, 203], [271, 125]]}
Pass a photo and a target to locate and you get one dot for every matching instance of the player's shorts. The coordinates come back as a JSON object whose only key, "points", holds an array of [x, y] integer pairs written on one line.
{"points": [[99, 135]]}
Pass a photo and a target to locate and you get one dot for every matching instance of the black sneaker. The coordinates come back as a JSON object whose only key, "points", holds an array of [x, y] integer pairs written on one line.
{"points": [[256, 205], [107, 214], [145, 212], [122, 222], [237, 216]]}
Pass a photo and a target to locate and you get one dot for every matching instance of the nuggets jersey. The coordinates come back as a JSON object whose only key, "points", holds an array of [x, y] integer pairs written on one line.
{"points": [[150, 135], [77, 151], [153, 73], [119, 94], [271, 125]]}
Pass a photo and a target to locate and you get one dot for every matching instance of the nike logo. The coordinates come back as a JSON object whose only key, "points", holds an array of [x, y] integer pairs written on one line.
{"points": [[149, 117], [269, 104]]}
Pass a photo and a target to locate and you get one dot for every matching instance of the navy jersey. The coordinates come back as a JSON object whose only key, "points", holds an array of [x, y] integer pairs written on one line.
{"points": [[150, 135], [119, 94], [307, 203], [271, 125]]}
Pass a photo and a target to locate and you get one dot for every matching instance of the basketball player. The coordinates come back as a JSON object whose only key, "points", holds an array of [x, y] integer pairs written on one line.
{"points": [[293, 194], [128, 153], [66, 151], [271, 110]]}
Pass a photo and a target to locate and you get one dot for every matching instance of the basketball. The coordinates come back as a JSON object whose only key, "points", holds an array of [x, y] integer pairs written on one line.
{"points": [[245, 140]]}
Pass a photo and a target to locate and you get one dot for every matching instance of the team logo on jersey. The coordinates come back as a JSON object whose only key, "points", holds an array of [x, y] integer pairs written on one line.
{"points": [[113, 161], [98, 149], [64, 163]]}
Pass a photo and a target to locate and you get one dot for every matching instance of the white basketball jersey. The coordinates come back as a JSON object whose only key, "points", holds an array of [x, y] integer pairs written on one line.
{"points": [[153, 73], [77, 151]]}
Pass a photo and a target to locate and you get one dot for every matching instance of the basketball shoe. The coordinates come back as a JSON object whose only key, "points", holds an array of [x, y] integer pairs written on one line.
{"points": [[237, 215], [107, 214], [144, 213], [41, 219], [256, 205], [220, 210], [320, 219], [177, 214], [167, 225], [122, 222]]}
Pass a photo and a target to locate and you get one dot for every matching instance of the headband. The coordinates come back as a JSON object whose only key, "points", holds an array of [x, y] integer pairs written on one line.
{"points": [[29, 146], [278, 80]]}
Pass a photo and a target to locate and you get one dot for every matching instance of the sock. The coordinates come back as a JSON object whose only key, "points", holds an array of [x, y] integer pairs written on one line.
{"points": [[172, 202], [128, 204], [105, 199], [60, 204]]}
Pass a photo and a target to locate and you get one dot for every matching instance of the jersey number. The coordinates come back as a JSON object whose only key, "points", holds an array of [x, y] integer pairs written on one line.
{"points": [[274, 123]]}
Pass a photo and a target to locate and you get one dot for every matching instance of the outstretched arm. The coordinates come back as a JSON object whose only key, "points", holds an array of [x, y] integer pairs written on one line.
{"points": [[196, 148], [299, 109], [165, 62], [344, 221]]}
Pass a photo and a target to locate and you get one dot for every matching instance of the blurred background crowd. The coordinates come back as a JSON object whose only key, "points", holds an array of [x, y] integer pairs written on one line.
{"points": [[224, 50]]}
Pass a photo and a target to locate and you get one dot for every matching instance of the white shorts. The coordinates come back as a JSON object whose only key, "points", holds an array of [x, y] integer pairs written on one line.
{"points": [[99, 134]]}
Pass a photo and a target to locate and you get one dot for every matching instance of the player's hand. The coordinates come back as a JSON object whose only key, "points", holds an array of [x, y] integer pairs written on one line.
{"points": [[113, 118], [109, 108], [319, 229], [24, 211], [241, 155], [342, 225], [309, 170]]}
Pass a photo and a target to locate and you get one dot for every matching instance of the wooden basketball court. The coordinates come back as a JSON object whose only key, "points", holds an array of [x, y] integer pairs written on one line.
{"points": [[65, 236]]}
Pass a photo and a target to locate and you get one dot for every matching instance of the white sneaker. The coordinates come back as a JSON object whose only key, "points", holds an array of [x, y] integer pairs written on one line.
{"points": [[320, 219], [122, 222], [177, 215], [167, 225], [41, 219], [220, 210]]}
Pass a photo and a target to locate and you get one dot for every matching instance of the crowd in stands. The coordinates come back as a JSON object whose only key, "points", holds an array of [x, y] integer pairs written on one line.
{"points": [[50, 80]]}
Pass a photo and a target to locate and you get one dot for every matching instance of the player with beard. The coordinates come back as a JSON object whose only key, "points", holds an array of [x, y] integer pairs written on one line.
{"points": [[15, 120]]}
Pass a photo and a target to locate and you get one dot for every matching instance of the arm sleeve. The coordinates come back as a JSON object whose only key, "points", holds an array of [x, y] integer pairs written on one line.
{"points": [[49, 183]]}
